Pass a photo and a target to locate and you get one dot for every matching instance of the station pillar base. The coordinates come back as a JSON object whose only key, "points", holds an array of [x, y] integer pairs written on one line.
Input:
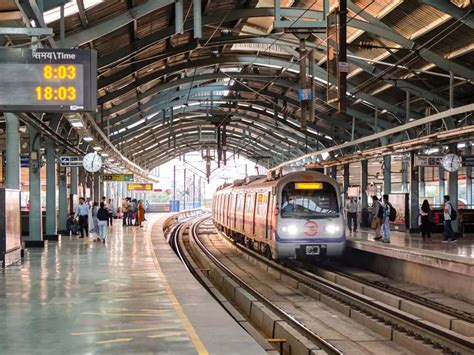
{"points": [[51, 237], [34, 243]]}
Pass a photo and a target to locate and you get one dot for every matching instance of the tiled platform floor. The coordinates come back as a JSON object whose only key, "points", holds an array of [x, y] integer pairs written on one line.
{"points": [[80, 297]]}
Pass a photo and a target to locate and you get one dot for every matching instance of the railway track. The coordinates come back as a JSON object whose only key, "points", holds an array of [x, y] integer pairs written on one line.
{"points": [[422, 335], [456, 313]]}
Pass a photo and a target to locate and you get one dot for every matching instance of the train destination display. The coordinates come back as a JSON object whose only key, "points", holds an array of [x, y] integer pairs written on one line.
{"points": [[48, 80]]}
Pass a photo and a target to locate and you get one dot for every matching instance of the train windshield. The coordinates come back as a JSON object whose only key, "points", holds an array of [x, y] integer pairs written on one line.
{"points": [[309, 200]]}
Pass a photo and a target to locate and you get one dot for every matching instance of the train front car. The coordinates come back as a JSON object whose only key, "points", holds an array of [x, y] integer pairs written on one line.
{"points": [[310, 222]]}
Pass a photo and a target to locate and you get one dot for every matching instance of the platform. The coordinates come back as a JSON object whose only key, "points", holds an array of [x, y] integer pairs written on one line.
{"points": [[130, 295], [447, 267]]}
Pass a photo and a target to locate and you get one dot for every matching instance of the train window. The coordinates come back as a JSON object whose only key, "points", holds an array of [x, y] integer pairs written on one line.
{"points": [[249, 204], [307, 203], [240, 202]]}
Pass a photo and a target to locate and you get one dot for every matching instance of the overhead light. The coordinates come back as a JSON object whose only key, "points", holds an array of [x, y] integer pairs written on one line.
{"points": [[105, 155], [77, 124], [97, 148], [88, 139]]}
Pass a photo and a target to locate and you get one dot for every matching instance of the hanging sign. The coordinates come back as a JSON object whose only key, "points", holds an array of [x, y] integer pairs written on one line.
{"points": [[140, 187], [305, 94], [428, 160], [468, 160], [70, 161], [117, 177]]}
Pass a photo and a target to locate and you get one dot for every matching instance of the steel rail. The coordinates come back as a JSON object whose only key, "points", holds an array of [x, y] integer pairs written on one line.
{"points": [[425, 331], [303, 329], [459, 314]]}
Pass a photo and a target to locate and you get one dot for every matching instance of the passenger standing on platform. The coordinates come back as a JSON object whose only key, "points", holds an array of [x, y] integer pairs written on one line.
{"points": [[82, 212], [102, 220], [130, 211], [110, 210], [125, 211], [141, 213], [386, 219], [425, 219], [351, 209], [448, 228], [93, 221], [377, 215]]}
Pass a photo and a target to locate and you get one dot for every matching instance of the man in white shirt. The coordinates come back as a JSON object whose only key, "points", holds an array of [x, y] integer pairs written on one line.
{"points": [[351, 209], [82, 211], [448, 228]]}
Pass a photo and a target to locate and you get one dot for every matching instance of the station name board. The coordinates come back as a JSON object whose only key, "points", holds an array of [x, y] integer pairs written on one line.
{"points": [[428, 160], [140, 187], [48, 80], [118, 177]]}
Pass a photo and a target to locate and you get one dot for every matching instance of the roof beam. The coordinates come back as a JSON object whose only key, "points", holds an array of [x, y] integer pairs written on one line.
{"points": [[448, 8], [101, 29]]}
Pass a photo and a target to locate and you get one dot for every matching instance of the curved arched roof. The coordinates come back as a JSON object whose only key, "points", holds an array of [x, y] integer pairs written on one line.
{"points": [[160, 92]]}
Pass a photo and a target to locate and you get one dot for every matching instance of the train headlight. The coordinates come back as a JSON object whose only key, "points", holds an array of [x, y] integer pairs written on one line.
{"points": [[291, 229], [332, 228]]}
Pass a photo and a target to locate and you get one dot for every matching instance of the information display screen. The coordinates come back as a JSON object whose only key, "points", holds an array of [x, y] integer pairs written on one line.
{"points": [[48, 80], [140, 187]]}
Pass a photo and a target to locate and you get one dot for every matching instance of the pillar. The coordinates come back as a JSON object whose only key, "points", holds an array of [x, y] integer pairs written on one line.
{"points": [[468, 179], [63, 210], [97, 190], [74, 187], [453, 195], [364, 183], [333, 172], [441, 185], [82, 182], [421, 170], [346, 177], [12, 177], [35, 220], [387, 174], [51, 225], [414, 193], [124, 189], [406, 170]]}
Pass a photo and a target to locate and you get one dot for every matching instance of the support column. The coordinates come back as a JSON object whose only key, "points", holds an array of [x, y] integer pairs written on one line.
{"points": [[442, 184], [124, 189], [51, 232], [346, 177], [97, 188], [414, 194], [453, 195], [184, 189], [387, 174], [12, 177], [468, 179], [82, 182], [405, 168], [421, 170], [62, 197], [35, 220], [333, 172], [365, 183], [74, 187]]}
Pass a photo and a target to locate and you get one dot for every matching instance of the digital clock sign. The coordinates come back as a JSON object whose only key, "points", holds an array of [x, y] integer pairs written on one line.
{"points": [[48, 80]]}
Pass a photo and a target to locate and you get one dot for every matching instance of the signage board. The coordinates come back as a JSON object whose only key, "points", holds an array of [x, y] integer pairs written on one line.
{"points": [[48, 80], [24, 160], [428, 160], [468, 160], [118, 177], [305, 94], [70, 161], [139, 187], [343, 67]]}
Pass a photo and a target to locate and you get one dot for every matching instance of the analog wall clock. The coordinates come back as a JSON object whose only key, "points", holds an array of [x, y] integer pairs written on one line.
{"points": [[451, 162], [92, 162]]}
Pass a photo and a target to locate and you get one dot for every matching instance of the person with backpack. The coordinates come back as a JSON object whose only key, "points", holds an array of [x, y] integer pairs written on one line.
{"points": [[449, 216], [377, 214], [426, 219], [102, 220], [387, 218]]}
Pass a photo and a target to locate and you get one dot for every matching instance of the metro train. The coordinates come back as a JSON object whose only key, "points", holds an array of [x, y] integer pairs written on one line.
{"points": [[297, 215]]}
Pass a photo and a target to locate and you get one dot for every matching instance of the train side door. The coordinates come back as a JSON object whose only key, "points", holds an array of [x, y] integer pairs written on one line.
{"points": [[254, 211], [269, 213]]}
